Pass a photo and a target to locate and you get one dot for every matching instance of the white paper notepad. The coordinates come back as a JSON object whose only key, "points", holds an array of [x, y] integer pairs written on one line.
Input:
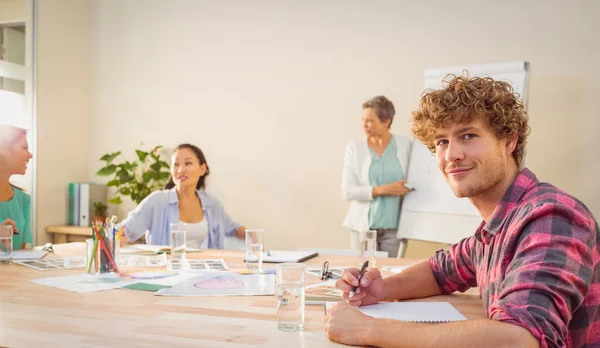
{"points": [[418, 312]]}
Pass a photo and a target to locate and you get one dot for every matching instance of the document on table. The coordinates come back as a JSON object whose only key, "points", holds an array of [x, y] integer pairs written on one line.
{"points": [[418, 312]]}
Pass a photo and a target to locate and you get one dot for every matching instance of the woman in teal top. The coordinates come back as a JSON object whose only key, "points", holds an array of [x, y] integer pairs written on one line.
{"points": [[15, 204], [373, 177], [384, 211]]}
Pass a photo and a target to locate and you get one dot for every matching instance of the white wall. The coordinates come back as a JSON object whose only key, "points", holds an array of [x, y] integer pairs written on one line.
{"points": [[63, 105], [272, 90]]}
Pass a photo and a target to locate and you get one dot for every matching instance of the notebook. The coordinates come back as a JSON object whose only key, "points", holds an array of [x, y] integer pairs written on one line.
{"points": [[418, 312], [151, 249], [279, 256], [28, 254]]}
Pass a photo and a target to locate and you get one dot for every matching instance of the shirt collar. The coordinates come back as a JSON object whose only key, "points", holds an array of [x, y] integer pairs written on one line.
{"points": [[204, 198], [522, 184]]}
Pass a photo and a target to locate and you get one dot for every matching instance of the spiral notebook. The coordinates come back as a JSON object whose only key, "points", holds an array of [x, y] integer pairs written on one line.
{"points": [[418, 312]]}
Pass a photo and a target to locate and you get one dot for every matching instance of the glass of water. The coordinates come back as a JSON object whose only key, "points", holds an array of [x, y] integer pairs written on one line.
{"points": [[290, 296], [254, 249], [177, 241], [6, 243], [368, 247]]}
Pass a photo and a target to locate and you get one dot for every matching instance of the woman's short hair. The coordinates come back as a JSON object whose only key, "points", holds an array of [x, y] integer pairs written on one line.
{"points": [[383, 107]]}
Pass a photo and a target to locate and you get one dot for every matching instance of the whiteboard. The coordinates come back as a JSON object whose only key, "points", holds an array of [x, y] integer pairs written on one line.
{"points": [[432, 212]]}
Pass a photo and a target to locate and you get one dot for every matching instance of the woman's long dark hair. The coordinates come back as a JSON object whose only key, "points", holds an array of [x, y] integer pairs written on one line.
{"points": [[201, 159]]}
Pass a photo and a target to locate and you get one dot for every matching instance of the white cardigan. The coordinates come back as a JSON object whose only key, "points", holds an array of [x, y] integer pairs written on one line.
{"points": [[355, 180]]}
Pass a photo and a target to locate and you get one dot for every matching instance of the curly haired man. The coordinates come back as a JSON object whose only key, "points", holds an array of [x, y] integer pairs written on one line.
{"points": [[535, 257]]}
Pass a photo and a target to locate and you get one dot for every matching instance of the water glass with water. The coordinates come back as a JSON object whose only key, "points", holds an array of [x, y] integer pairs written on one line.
{"points": [[290, 296], [6, 243], [177, 241], [254, 249], [368, 247]]}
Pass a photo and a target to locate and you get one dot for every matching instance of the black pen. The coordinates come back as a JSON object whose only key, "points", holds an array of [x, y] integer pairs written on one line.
{"points": [[360, 275]]}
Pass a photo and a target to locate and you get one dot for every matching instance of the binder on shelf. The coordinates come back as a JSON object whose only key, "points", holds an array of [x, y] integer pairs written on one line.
{"points": [[82, 197]]}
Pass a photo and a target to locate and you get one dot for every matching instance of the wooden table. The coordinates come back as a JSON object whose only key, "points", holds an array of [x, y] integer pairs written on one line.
{"points": [[36, 315], [64, 234]]}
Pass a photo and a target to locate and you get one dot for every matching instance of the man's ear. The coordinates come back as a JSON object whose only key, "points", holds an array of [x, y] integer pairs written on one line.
{"points": [[511, 143]]}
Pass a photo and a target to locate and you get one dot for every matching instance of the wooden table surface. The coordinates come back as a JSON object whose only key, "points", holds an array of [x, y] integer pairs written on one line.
{"points": [[34, 315]]}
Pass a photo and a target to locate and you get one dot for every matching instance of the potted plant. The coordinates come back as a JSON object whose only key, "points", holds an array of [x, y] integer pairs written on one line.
{"points": [[135, 179], [100, 211]]}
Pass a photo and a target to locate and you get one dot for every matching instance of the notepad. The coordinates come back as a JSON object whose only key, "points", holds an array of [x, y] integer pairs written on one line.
{"points": [[277, 256], [418, 312]]}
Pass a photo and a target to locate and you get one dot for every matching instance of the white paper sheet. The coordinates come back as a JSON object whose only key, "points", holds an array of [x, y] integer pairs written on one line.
{"points": [[223, 284], [421, 312], [85, 283], [197, 265], [140, 248], [28, 254], [132, 260], [394, 269], [54, 263], [279, 256]]}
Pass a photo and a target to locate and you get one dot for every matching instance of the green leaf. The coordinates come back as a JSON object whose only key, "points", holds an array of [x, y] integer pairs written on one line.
{"points": [[136, 198], [163, 175], [114, 182], [125, 191], [108, 170], [164, 164], [141, 155], [116, 200], [109, 157], [147, 176], [125, 177], [128, 165], [155, 166]]}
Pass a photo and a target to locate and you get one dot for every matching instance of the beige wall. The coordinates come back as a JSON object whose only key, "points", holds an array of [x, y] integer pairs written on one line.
{"points": [[271, 91], [63, 105], [12, 11]]}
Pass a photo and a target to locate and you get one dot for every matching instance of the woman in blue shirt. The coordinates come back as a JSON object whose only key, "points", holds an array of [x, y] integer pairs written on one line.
{"points": [[15, 204], [184, 200]]}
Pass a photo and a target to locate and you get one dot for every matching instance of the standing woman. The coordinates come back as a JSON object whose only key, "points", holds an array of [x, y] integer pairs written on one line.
{"points": [[185, 200], [373, 177], [15, 204]]}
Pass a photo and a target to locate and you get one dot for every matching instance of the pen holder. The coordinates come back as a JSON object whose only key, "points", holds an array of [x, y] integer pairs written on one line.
{"points": [[101, 256]]}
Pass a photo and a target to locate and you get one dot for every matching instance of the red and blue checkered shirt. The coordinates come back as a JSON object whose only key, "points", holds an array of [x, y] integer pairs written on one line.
{"points": [[536, 262]]}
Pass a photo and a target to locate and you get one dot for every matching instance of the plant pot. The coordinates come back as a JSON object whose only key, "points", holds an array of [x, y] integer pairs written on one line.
{"points": [[99, 218]]}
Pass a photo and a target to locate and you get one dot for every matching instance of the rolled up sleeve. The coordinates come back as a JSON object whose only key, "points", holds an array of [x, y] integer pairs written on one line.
{"points": [[453, 269]]}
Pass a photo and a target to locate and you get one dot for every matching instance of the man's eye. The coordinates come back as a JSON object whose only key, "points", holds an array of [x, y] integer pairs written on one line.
{"points": [[469, 136], [442, 142]]}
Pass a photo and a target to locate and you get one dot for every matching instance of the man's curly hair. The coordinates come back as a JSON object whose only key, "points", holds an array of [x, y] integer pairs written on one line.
{"points": [[462, 99]]}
